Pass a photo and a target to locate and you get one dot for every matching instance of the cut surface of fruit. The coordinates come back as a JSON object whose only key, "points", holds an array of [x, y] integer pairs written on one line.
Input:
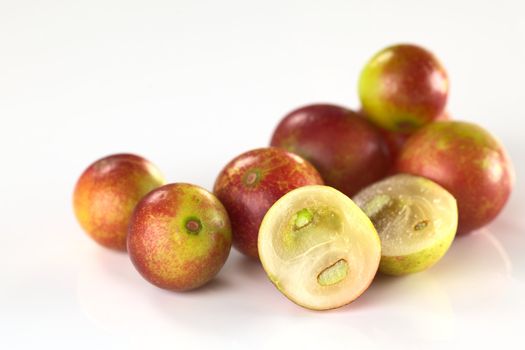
{"points": [[416, 220], [318, 248]]}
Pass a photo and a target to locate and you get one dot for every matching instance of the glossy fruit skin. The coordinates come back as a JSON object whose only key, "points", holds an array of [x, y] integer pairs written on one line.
{"points": [[106, 194], [403, 87], [347, 150], [467, 161], [163, 248], [252, 182]]}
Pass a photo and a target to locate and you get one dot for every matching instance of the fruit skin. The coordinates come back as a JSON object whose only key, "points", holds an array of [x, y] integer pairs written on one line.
{"points": [[443, 117], [467, 161], [251, 183], [169, 252], [395, 140], [106, 194], [348, 151], [403, 87], [417, 262]]}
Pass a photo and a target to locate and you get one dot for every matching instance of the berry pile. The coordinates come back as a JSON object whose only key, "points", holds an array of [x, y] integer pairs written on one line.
{"points": [[338, 196]]}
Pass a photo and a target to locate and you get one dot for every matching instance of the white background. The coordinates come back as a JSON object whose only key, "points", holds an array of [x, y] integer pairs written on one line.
{"points": [[191, 84]]}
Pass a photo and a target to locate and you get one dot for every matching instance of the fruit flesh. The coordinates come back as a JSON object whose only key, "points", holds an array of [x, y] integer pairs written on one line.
{"points": [[466, 160], [179, 237], [348, 150], [416, 220], [106, 194], [323, 259], [403, 87], [252, 182]]}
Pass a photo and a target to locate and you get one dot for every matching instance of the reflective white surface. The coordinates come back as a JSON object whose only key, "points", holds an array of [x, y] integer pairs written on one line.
{"points": [[189, 85]]}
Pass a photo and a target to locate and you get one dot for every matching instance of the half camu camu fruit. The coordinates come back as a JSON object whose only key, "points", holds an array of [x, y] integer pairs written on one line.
{"points": [[318, 248], [416, 220]]}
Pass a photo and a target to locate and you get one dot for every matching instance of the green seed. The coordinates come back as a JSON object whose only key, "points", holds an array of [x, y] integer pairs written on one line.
{"points": [[333, 274], [303, 218]]}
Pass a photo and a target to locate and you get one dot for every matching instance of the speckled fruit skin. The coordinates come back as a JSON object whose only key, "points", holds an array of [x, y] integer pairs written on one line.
{"points": [[346, 149], [179, 237], [467, 161], [403, 87], [107, 192], [252, 182]]}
